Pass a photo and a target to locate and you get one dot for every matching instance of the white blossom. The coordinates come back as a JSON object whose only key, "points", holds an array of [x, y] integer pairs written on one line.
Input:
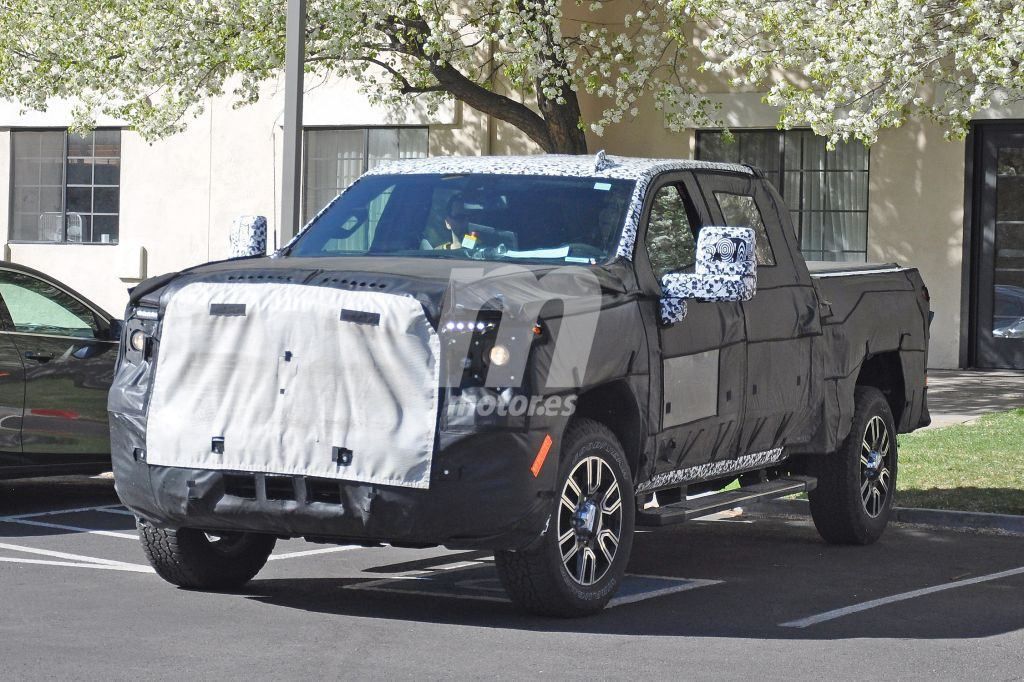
{"points": [[868, 64], [845, 68]]}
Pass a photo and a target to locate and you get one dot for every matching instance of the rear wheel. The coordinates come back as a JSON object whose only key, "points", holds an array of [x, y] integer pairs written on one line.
{"points": [[856, 485], [205, 561], [579, 562]]}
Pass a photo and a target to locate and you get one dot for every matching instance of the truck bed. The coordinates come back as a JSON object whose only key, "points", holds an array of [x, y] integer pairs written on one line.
{"points": [[824, 268], [881, 310]]}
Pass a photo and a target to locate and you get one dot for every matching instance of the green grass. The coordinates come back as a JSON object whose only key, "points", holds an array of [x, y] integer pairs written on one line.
{"points": [[968, 467]]}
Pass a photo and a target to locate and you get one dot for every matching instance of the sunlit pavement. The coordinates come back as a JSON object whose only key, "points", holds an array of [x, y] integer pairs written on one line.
{"points": [[735, 598]]}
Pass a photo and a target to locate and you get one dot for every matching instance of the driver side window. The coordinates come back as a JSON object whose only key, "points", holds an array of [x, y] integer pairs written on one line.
{"points": [[670, 241]]}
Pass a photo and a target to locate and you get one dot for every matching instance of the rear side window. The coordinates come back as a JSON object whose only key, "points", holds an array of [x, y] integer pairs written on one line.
{"points": [[740, 210], [670, 242]]}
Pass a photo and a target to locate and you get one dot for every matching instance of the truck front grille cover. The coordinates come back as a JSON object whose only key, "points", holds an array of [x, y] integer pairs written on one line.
{"points": [[296, 379]]}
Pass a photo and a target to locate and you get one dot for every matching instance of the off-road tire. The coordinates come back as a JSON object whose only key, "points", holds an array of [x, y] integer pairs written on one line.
{"points": [[536, 579], [837, 507], [189, 558]]}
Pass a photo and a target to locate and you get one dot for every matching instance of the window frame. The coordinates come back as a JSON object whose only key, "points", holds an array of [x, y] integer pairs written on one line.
{"points": [[366, 152], [781, 170], [64, 186], [689, 212], [693, 198]]}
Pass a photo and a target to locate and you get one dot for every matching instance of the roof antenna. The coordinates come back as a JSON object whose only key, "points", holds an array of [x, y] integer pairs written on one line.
{"points": [[601, 161]]}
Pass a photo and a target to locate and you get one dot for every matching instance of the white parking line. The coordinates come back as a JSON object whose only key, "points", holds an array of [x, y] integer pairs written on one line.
{"points": [[62, 526], [311, 552], [390, 585], [874, 603], [58, 512], [73, 560], [59, 555], [454, 566], [131, 568], [115, 510], [689, 584]]}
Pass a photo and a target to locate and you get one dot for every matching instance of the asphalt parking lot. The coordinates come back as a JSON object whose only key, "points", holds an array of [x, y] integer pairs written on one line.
{"points": [[734, 598]]}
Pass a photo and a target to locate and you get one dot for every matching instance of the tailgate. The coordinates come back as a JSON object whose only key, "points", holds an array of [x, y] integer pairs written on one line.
{"points": [[293, 379]]}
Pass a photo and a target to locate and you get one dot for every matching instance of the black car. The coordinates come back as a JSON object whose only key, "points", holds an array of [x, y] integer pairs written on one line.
{"points": [[57, 354]]}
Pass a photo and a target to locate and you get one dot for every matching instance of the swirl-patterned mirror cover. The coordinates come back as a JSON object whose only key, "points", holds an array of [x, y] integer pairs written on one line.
{"points": [[726, 271]]}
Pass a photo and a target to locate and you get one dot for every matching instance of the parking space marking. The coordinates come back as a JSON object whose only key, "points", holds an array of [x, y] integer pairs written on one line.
{"points": [[63, 526], [58, 512], [72, 560], [683, 585], [635, 587], [115, 510], [883, 601], [456, 565], [59, 555], [312, 552], [131, 568]]}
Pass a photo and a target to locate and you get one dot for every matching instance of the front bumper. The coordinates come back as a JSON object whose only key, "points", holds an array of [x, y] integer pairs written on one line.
{"points": [[482, 494]]}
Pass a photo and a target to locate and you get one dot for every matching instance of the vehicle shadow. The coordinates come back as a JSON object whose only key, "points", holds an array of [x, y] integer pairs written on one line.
{"points": [[36, 496], [773, 571]]}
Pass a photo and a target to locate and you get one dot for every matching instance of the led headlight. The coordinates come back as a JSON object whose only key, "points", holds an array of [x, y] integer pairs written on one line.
{"points": [[138, 340], [499, 355]]}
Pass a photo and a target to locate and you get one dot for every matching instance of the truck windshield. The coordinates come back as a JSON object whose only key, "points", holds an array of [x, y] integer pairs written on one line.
{"points": [[486, 217]]}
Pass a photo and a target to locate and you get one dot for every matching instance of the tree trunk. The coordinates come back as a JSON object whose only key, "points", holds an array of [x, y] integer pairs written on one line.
{"points": [[564, 123], [557, 129]]}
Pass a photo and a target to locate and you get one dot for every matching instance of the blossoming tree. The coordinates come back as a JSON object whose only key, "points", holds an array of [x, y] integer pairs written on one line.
{"points": [[862, 65], [153, 63], [844, 67]]}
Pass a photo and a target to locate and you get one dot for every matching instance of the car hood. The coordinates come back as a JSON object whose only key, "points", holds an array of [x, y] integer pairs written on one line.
{"points": [[434, 282]]}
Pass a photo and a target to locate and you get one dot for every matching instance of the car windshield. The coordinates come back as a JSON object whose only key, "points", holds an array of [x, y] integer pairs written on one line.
{"points": [[486, 217]]}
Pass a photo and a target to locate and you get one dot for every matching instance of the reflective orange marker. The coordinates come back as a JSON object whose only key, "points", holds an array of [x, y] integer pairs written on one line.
{"points": [[542, 454]]}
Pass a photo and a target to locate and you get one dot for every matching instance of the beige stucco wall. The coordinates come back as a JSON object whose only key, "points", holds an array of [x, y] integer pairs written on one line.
{"points": [[180, 195], [916, 218]]}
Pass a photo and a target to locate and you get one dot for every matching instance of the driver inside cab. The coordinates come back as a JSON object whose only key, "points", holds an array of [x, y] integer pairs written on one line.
{"points": [[456, 221]]}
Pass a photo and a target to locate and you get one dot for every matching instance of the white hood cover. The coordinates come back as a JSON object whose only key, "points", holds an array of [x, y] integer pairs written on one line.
{"points": [[298, 380]]}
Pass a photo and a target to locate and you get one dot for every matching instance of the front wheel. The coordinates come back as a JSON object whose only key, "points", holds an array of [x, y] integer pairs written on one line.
{"points": [[579, 562], [205, 561], [856, 485]]}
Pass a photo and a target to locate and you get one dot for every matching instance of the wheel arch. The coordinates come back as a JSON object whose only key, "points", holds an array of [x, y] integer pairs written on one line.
{"points": [[884, 371], [615, 405]]}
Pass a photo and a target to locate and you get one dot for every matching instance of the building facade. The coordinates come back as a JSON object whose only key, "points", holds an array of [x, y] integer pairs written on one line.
{"points": [[105, 210]]}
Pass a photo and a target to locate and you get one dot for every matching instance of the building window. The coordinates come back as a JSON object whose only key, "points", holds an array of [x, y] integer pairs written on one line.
{"points": [[67, 187], [335, 157], [826, 191]]}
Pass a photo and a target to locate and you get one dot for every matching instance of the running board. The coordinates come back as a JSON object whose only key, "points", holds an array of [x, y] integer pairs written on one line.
{"points": [[706, 505]]}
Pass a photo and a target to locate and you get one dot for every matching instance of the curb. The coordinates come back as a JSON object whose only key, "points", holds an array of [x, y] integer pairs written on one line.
{"points": [[942, 518]]}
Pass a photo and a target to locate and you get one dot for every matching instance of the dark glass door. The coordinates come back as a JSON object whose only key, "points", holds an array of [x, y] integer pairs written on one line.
{"points": [[999, 192]]}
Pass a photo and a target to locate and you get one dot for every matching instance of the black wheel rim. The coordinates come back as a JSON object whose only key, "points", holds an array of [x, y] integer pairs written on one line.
{"points": [[875, 467], [589, 521]]}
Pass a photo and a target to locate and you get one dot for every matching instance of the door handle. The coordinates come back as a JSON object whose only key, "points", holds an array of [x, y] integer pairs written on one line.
{"points": [[38, 356]]}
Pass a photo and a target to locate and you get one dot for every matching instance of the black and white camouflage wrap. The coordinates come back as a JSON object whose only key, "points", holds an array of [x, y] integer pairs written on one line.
{"points": [[726, 271], [642, 171], [248, 236], [713, 470], [726, 251], [673, 308]]}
